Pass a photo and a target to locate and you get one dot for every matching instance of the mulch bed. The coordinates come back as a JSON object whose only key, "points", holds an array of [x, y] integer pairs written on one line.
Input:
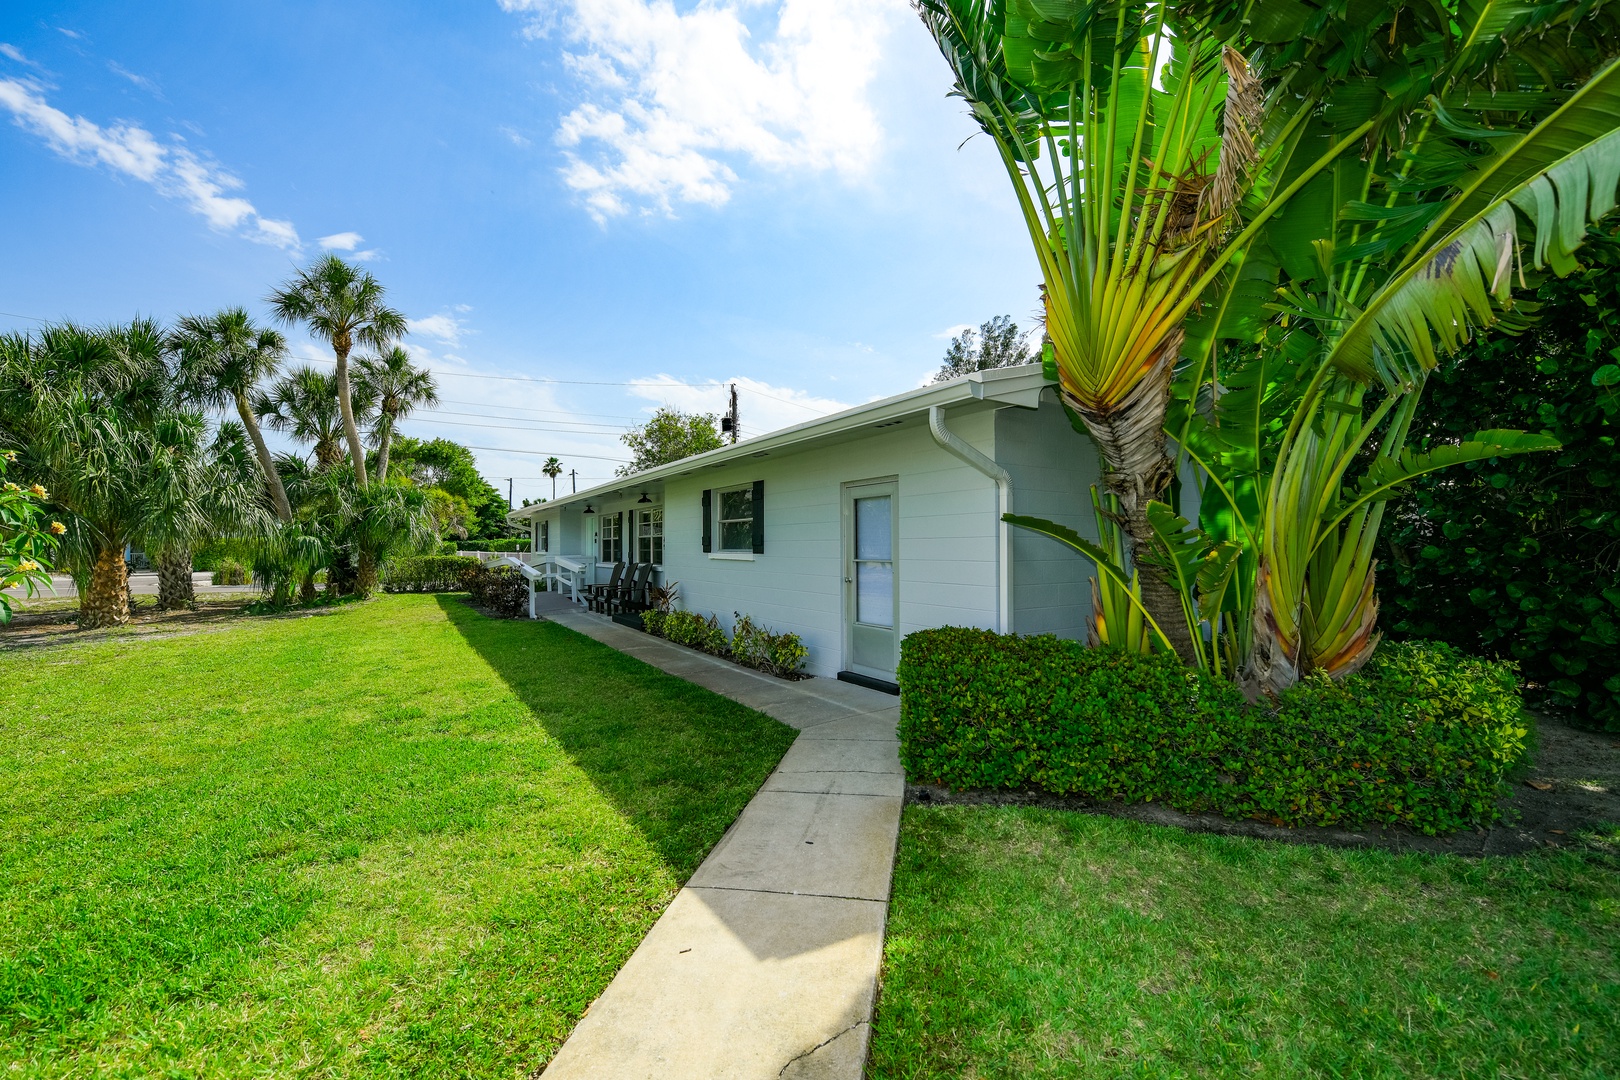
{"points": [[58, 625], [1572, 787]]}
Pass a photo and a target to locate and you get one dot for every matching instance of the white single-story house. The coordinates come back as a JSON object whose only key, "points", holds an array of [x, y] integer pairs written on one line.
{"points": [[858, 528]]}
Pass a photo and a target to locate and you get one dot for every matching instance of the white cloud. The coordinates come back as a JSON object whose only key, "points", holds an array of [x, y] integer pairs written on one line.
{"points": [[133, 151], [343, 241], [762, 406], [74, 34], [139, 80], [515, 137], [674, 99], [954, 331], [348, 242], [445, 328], [11, 51]]}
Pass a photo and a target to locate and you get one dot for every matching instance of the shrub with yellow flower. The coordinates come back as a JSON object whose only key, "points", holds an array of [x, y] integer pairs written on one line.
{"points": [[24, 544]]}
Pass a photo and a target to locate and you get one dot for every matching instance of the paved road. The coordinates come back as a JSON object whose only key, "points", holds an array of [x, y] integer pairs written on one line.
{"points": [[141, 583]]}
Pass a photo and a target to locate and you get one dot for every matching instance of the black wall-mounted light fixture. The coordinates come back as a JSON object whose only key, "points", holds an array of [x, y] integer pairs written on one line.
{"points": [[588, 509], [643, 498]]}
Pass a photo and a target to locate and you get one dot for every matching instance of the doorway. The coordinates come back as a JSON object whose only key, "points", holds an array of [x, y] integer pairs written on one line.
{"points": [[871, 516]]}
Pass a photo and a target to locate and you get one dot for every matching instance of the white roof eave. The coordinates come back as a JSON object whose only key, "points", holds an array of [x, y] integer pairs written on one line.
{"points": [[1015, 386]]}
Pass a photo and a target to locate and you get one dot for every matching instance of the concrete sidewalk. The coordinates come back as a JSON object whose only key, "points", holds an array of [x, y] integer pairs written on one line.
{"points": [[766, 963]]}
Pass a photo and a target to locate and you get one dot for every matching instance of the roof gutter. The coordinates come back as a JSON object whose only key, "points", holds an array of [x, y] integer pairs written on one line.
{"points": [[956, 446]]}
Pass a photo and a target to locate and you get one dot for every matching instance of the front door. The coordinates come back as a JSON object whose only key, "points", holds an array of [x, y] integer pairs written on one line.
{"points": [[871, 579]]}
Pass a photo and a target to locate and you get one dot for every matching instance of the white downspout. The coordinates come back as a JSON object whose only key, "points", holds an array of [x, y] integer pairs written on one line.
{"points": [[953, 444]]}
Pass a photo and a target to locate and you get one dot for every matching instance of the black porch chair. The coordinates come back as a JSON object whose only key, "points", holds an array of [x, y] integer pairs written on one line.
{"points": [[632, 594], [596, 596]]}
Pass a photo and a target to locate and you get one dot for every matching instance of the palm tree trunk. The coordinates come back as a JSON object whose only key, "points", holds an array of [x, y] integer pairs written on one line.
{"points": [[340, 346], [365, 576], [1137, 469], [306, 588], [267, 464], [105, 601], [382, 451], [175, 592]]}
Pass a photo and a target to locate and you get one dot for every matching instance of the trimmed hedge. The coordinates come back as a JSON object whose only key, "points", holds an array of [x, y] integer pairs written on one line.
{"points": [[1424, 736], [501, 589], [428, 573]]}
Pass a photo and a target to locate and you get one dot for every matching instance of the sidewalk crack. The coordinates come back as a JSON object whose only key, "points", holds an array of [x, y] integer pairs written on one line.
{"points": [[834, 1038]]}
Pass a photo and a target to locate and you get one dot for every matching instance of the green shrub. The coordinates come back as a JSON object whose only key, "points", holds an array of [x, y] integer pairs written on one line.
{"points": [[1423, 737], [230, 572], [694, 631], [503, 544], [428, 573], [214, 554], [500, 589], [756, 647]]}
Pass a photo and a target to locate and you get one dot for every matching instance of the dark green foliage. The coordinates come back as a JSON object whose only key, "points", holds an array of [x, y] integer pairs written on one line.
{"points": [[1423, 737], [444, 464], [751, 645], [690, 629], [669, 436], [501, 590], [230, 572], [429, 573], [504, 544], [1520, 557]]}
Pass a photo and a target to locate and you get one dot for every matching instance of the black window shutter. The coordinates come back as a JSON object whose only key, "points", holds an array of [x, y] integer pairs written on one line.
{"points": [[759, 517], [708, 522]]}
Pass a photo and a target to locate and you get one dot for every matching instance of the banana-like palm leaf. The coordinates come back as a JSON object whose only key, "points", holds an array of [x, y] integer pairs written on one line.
{"points": [[1561, 176], [1101, 559]]}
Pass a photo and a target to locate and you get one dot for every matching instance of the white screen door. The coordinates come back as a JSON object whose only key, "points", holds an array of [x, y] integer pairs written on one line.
{"points": [[871, 579]]}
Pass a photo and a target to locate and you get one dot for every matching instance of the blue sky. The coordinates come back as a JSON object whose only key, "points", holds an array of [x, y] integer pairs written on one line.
{"points": [[623, 192]]}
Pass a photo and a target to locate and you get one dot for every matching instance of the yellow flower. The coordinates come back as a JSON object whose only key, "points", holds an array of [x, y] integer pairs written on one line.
{"points": [[58, 528], [12, 487], [10, 455], [27, 565], [38, 490]]}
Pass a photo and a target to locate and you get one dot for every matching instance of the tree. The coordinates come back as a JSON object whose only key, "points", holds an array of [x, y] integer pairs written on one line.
{"points": [[96, 419], [669, 436], [995, 344], [451, 467], [343, 306], [397, 387], [304, 404], [25, 546], [553, 469], [223, 358], [1176, 206], [1520, 557]]}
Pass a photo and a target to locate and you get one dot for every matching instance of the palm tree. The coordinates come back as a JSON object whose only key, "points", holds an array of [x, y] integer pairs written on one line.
{"points": [[397, 387], [223, 358], [553, 469], [343, 306], [304, 404], [1165, 200]]}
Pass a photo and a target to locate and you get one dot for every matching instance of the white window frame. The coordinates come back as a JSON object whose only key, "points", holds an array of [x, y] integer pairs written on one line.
{"points": [[720, 522], [543, 536], [647, 514], [602, 536]]}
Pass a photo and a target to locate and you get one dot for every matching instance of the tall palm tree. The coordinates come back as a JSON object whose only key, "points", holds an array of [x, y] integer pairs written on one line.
{"points": [[553, 469], [343, 306], [223, 358], [397, 387], [304, 404]]}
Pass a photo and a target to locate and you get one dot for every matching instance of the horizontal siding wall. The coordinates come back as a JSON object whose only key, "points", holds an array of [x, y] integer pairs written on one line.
{"points": [[946, 546], [1053, 467]]}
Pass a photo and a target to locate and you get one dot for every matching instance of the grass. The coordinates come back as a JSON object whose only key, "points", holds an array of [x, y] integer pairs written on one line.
{"points": [[395, 839], [1037, 943]]}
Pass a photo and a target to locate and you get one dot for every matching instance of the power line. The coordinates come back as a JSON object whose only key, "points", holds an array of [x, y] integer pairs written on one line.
{"points": [[533, 426], [602, 429], [541, 453], [555, 412]]}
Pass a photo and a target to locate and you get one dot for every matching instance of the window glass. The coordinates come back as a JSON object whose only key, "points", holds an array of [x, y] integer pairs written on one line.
{"points": [[737, 519], [874, 593], [612, 538], [650, 536], [545, 536], [874, 537]]}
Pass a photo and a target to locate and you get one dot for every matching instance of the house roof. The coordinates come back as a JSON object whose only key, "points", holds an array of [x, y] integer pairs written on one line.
{"points": [[1020, 386]]}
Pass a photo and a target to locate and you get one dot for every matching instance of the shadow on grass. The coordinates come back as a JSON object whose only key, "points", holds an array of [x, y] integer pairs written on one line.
{"points": [[678, 761]]}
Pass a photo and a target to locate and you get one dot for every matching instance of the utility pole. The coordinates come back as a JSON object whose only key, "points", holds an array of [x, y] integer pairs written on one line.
{"points": [[573, 480], [509, 492], [731, 422]]}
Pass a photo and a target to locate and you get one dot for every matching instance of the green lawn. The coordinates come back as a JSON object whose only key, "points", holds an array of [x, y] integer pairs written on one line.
{"points": [[396, 839], [1035, 943]]}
